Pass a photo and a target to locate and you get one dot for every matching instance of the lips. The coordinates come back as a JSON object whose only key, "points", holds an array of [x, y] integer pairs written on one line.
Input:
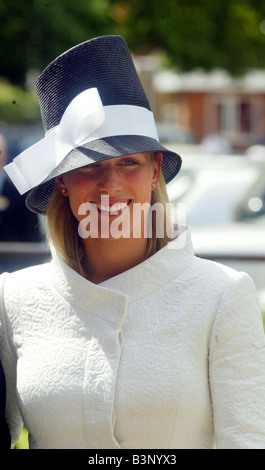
{"points": [[113, 208]]}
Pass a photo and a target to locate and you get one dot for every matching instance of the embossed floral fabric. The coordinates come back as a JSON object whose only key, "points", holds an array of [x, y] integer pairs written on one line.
{"points": [[170, 354]]}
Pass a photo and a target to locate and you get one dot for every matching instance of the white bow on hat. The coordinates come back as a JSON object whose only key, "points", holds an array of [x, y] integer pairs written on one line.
{"points": [[85, 119]]}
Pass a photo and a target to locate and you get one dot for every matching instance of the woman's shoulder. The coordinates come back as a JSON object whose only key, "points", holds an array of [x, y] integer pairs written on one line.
{"points": [[19, 291], [224, 282], [218, 271], [29, 276]]}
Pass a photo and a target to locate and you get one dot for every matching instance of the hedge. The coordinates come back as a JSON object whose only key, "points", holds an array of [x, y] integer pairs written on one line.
{"points": [[17, 104]]}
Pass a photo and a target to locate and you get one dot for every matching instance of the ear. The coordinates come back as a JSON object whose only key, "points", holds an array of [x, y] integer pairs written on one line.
{"points": [[157, 169], [61, 185]]}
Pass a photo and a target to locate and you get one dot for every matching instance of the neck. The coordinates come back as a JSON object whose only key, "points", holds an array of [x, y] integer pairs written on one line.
{"points": [[105, 258]]}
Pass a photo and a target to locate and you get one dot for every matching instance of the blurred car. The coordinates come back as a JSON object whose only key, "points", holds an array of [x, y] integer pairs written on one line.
{"points": [[224, 198], [16, 255], [240, 246], [218, 189]]}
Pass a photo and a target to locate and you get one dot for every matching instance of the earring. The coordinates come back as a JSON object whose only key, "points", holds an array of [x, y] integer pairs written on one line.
{"points": [[153, 186], [64, 191]]}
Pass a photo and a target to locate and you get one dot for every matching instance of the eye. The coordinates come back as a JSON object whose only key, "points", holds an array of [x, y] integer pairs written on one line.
{"points": [[91, 167], [129, 161]]}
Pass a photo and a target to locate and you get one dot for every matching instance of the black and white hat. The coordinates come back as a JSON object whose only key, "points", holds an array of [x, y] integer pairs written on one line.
{"points": [[93, 108]]}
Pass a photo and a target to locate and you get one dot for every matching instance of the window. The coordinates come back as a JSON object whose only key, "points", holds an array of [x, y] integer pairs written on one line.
{"points": [[232, 115]]}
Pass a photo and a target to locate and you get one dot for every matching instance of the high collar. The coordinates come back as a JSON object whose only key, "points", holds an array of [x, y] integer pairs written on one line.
{"points": [[131, 285], [148, 276]]}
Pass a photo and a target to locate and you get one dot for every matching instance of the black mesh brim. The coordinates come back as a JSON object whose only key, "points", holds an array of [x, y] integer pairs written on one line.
{"points": [[97, 151]]}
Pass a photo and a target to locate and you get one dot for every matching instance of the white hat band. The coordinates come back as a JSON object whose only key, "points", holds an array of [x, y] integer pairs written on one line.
{"points": [[84, 120]]}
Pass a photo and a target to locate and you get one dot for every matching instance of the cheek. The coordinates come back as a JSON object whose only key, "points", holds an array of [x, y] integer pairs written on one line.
{"points": [[77, 194], [142, 185], [74, 205]]}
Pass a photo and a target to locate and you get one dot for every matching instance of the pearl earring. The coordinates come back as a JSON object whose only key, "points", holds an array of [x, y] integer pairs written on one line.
{"points": [[64, 191], [153, 186]]}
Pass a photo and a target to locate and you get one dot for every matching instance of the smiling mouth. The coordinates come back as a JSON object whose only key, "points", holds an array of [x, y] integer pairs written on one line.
{"points": [[113, 209]]}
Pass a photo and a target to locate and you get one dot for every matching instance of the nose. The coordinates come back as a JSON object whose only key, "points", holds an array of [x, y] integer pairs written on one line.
{"points": [[109, 181]]}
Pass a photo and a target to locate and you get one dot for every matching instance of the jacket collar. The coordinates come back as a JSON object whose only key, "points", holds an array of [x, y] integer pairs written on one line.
{"points": [[165, 265], [112, 295]]}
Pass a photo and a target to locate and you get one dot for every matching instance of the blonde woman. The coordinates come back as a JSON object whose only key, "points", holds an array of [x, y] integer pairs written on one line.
{"points": [[125, 340]]}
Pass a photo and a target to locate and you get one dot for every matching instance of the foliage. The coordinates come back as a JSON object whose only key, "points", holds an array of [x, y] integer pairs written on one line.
{"points": [[36, 31], [17, 104], [192, 33], [201, 33]]}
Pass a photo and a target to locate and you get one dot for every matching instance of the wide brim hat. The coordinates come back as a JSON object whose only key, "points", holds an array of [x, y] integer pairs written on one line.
{"points": [[93, 108]]}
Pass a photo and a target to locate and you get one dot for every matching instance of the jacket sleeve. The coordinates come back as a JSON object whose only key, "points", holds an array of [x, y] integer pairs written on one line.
{"points": [[9, 363], [237, 368]]}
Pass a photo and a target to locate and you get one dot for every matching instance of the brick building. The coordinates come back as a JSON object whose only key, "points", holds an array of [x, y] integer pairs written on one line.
{"points": [[211, 103]]}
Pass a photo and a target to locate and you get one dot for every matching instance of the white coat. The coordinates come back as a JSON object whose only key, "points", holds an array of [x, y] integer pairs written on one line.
{"points": [[168, 355]]}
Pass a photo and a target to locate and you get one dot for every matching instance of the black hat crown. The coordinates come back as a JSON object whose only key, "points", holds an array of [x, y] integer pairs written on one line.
{"points": [[104, 63]]}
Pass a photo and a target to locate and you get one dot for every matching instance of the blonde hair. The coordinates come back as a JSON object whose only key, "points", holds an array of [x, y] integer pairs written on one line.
{"points": [[160, 196], [63, 226]]}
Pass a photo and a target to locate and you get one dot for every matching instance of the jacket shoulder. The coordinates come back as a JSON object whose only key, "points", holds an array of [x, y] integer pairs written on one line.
{"points": [[220, 272], [24, 278]]}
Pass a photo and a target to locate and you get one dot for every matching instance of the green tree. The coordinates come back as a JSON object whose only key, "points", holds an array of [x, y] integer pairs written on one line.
{"points": [[33, 32], [199, 33], [191, 33]]}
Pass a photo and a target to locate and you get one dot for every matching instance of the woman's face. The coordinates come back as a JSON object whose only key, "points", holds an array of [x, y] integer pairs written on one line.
{"points": [[111, 188]]}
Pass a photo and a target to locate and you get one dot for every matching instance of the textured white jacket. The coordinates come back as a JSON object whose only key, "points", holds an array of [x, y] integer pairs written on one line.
{"points": [[170, 354]]}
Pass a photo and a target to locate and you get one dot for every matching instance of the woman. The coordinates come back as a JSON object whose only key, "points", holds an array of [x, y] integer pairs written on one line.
{"points": [[126, 339]]}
